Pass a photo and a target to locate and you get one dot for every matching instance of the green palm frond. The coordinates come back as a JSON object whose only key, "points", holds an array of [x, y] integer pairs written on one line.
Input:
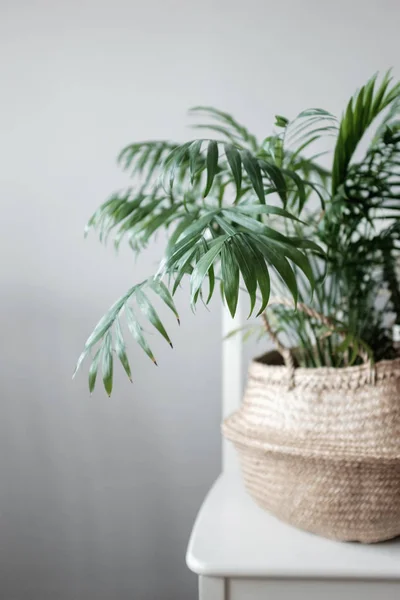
{"points": [[224, 124], [266, 216], [361, 111], [145, 158], [108, 334], [235, 235], [308, 127], [226, 166]]}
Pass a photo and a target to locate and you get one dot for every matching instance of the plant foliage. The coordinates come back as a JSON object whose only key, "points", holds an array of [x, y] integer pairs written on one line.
{"points": [[267, 214]]}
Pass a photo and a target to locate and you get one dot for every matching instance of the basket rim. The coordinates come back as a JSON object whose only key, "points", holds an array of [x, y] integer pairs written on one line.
{"points": [[323, 371], [324, 377]]}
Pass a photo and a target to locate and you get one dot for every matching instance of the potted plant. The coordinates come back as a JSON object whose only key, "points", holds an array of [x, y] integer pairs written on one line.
{"points": [[318, 430]]}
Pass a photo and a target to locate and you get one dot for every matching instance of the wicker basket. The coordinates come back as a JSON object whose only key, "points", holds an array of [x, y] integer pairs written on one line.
{"points": [[320, 448]]}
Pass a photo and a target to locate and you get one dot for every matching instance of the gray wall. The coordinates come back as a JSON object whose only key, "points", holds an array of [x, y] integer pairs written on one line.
{"points": [[97, 495]]}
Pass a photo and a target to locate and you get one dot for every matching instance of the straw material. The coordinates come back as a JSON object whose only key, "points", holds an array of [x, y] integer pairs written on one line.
{"points": [[323, 455]]}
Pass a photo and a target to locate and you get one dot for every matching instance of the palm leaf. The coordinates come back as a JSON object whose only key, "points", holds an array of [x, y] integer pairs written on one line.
{"points": [[230, 277], [148, 310], [235, 163], [107, 363], [93, 370], [204, 265], [234, 128], [163, 292], [194, 157], [252, 168], [137, 333], [245, 262], [362, 109], [212, 164], [121, 350]]}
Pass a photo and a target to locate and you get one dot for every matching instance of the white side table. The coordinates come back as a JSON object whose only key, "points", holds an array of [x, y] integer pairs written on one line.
{"points": [[241, 552]]}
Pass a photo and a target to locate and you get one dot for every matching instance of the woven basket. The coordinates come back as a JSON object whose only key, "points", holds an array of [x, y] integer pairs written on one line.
{"points": [[320, 448]]}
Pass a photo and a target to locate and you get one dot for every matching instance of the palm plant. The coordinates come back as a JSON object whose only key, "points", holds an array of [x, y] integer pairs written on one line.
{"points": [[262, 215]]}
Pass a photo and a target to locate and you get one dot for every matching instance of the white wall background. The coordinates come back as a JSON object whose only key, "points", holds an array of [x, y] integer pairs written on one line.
{"points": [[97, 495]]}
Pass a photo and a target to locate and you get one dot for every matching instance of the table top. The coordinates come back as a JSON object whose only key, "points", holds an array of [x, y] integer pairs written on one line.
{"points": [[233, 537]]}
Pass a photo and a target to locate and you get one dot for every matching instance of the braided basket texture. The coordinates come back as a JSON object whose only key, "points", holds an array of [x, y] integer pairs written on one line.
{"points": [[324, 452]]}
